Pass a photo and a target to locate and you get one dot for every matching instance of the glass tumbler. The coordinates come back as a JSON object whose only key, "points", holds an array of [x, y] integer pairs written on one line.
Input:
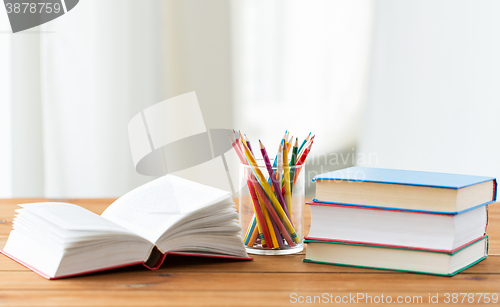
{"points": [[271, 210]]}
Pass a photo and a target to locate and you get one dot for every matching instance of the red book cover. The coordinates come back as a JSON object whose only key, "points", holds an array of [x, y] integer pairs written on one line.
{"points": [[154, 266], [397, 246], [313, 203]]}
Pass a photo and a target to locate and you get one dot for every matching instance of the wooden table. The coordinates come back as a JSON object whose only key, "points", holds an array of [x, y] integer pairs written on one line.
{"points": [[266, 281]]}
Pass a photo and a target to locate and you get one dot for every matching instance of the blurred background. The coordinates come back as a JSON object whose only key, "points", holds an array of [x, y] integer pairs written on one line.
{"points": [[386, 83]]}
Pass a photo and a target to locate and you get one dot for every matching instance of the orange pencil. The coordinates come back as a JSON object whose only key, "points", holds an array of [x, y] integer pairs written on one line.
{"points": [[289, 144], [255, 233]]}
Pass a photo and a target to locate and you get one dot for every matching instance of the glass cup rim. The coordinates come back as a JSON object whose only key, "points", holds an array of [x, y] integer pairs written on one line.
{"points": [[262, 165]]}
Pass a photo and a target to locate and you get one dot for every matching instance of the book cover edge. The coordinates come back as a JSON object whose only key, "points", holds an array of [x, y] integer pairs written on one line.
{"points": [[398, 270], [69, 275], [318, 202], [485, 179], [155, 267], [453, 252]]}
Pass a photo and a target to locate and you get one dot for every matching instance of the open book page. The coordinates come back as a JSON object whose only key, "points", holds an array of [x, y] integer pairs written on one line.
{"points": [[73, 217], [58, 239], [151, 209]]}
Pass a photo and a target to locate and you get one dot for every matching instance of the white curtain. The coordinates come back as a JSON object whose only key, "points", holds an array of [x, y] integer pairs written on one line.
{"points": [[74, 83], [301, 66], [5, 111], [70, 86], [434, 94]]}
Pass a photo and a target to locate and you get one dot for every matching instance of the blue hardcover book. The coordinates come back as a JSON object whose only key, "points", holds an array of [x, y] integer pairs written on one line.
{"points": [[405, 190]]}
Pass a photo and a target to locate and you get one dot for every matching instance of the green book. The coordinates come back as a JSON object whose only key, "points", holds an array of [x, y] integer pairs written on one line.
{"points": [[398, 259]]}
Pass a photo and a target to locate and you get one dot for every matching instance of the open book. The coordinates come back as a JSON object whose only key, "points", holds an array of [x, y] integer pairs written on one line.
{"points": [[167, 215]]}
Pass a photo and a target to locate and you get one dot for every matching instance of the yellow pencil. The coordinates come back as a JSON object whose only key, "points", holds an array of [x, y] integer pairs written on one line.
{"points": [[288, 194]]}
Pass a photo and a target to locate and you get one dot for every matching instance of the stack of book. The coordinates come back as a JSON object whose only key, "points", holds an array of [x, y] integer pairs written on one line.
{"points": [[412, 221]]}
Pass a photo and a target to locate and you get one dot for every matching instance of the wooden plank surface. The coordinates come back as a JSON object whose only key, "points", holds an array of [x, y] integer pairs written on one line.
{"points": [[266, 281]]}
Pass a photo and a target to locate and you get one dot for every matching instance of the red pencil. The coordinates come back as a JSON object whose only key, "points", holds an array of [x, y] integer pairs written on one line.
{"points": [[255, 200], [302, 160]]}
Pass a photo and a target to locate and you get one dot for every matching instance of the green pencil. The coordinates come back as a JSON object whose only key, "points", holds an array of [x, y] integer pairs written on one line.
{"points": [[293, 160], [305, 141]]}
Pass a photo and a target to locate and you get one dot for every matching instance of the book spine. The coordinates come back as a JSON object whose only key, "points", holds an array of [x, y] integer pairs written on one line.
{"points": [[155, 259], [379, 245], [487, 218], [318, 202], [495, 188]]}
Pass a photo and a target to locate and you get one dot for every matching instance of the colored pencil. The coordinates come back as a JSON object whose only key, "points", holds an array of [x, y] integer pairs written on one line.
{"points": [[293, 160], [305, 146], [238, 151], [289, 144], [260, 219], [261, 222], [250, 230], [279, 170], [270, 225], [302, 160], [273, 178], [248, 144], [254, 236], [272, 197], [276, 157], [275, 162], [275, 217], [286, 179], [304, 142]]}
